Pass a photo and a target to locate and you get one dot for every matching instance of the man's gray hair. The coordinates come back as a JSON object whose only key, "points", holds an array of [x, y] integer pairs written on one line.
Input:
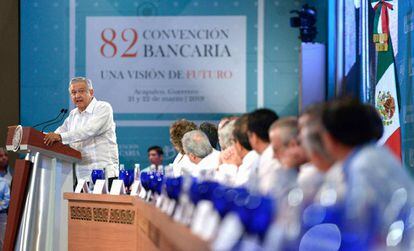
{"points": [[197, 143], [225, 135], [312, 139], [289, 126], [87, 81]]}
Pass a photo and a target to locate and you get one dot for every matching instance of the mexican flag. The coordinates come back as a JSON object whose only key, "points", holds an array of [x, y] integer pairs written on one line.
{"points": [[386, 94]]}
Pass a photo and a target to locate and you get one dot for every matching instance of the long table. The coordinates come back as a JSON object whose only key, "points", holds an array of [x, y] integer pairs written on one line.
{"points": [[110, 222]]}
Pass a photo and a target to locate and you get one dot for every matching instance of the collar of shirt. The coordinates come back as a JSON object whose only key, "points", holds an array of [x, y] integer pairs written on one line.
{"points": [[90, 107], [266, 156], [6, 170], [211, 161], [250, 157]]}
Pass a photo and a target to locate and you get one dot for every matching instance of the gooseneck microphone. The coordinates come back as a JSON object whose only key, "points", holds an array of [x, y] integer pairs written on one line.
{"points": [[60, 113], [56, 120]]}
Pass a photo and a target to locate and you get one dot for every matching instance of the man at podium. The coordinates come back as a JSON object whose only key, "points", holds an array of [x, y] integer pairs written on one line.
{"points": [[90, 129]]}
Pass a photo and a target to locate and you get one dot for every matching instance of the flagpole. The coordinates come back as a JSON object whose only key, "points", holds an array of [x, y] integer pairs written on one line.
{"points": [[339, 73], [365, 60]]}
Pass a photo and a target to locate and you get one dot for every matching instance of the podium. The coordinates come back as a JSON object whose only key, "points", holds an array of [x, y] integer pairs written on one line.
{"points": [[37, 218], [121, 222]]}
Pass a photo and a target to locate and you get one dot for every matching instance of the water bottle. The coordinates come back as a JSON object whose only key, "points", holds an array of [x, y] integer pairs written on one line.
{"points": [[137, 171]]}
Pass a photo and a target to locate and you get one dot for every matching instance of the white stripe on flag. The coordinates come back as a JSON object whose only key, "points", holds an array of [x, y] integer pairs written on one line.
{"points": [[388, 84]]}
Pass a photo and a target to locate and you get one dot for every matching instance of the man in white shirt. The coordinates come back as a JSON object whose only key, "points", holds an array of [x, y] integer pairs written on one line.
{"points": [[232, 171], [259, 122], [284, 136], [90, 129], [198, 149]]}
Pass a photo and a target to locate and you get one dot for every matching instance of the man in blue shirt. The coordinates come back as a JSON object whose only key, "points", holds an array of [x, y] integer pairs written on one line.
{"points": [[5, 169], [367, 194], [4, 205]]}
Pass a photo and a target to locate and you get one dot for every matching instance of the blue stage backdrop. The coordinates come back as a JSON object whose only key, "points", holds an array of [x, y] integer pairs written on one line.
{"points": [[405, 70], [158, 61]]}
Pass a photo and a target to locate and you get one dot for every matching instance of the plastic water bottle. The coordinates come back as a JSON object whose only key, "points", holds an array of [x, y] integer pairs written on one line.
{"points": [[137, 171]]}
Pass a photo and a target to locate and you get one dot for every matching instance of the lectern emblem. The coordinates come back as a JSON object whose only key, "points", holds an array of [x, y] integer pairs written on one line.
{"points": [[17, 138]]}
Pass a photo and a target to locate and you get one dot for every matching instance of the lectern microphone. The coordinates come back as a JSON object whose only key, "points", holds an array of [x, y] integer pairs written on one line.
{"points": [[60, 113], [56, 120]]}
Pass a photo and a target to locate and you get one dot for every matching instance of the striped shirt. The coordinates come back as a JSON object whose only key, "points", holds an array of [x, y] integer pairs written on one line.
{"points": [[92, 132], [4, 194]]}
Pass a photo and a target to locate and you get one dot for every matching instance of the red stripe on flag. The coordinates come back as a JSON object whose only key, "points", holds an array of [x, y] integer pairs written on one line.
{"points": [[394, 143]]}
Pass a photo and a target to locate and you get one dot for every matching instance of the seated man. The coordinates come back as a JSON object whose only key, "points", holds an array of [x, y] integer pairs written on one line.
{"points": [[225, 134], [211, 131], [198, 149], [366, 193], [4, 205], [310, 126], [284, 140], [155, 157], [5, 169], [177, 131], [259, 122], [236, 167]]}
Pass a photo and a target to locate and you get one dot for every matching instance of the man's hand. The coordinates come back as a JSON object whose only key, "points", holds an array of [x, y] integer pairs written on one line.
{"points": [[230, 156], [51, 138], [293, 157]]}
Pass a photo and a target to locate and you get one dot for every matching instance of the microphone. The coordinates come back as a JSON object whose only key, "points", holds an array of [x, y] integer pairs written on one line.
{"points": [[60, 113], [64, 111]]}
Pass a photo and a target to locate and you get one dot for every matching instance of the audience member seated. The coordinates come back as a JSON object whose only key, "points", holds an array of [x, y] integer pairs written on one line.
{"points": [[367, 193], [198, 149], [211, 131], [5, 184], [237, 172], [259, 122], [228, 152], [5, 169], [4, 206], [225, 133], [310, 128], [177, 131], [284, 139], [155, 158]]}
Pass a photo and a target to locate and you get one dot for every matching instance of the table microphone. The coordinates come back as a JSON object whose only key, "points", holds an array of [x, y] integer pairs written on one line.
{"points": [[56, 120]]}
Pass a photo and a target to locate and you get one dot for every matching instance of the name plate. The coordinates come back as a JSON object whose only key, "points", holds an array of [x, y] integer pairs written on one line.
{"points": [[205, 221], [229, 232], [82, 186], [118, 187], [135, 188], [100, 187]]}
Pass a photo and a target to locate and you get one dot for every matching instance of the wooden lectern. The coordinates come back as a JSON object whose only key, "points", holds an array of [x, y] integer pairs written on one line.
{"points": [[122, 222], [37, 218]]}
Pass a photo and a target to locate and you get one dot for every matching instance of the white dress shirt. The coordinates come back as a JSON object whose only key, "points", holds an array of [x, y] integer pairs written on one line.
{"points": [[267, 168], [267, 156], [249, 163], [310, 180], [182, 164], [92, 132], [375, 192], [233, 175], [208, 163], [7, 175]]}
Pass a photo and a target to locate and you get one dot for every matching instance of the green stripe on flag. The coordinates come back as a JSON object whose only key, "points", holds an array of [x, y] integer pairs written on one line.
{"points": [[385, 58]]}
